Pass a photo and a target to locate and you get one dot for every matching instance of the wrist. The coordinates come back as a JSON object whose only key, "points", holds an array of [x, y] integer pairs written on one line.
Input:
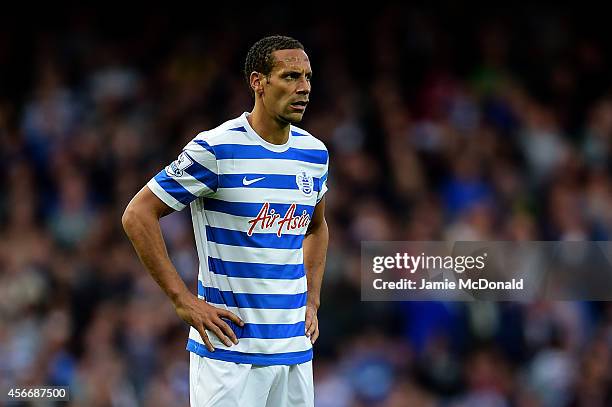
{"points": [[181, 298], [313, 302]]}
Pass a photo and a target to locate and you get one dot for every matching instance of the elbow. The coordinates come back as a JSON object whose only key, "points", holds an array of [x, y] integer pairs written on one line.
{"points": [[129, 218], [318, 228]]}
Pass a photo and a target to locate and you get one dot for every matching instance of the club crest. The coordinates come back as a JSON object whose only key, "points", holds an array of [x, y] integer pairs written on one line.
{"points": [[305, 183]]}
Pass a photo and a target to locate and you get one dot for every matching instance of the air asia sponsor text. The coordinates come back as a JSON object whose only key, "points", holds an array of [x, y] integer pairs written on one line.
{"points": [[268, 218]]}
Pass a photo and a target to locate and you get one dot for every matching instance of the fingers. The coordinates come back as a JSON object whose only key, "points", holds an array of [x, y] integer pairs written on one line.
{"points": [[312, 325], [210, 319], [221, 330], [224, 327], [310, 318], [227, 330], [202, 332], [217, 331], [308, 323], [311, 328], [315, 335], [231, 316]]}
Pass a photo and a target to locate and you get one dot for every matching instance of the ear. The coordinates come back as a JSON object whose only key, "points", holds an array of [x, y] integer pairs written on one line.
{"points": [[257, 82]]}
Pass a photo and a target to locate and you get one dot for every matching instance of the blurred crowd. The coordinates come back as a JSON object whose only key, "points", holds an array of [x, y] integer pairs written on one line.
{"points": [[441, 126]]}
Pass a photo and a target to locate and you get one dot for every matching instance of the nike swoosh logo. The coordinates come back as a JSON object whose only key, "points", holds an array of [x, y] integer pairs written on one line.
{"points": [[247, 182]]}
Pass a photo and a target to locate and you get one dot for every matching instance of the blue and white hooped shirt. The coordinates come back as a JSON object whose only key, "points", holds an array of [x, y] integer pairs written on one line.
{"points": [[251, 204]]}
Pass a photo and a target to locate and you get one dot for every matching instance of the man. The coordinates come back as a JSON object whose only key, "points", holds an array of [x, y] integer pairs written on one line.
{"points": [[255, 186]]}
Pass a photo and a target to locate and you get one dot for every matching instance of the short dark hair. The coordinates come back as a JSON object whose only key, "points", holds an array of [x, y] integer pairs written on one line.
{"points": [[259, 58]]}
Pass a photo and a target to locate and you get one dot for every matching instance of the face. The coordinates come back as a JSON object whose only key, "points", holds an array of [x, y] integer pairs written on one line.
{"points": [[285, 91]]}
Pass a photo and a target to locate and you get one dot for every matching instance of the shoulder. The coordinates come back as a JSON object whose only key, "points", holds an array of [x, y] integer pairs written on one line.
{"points": [[230, 132], [305, 140]]}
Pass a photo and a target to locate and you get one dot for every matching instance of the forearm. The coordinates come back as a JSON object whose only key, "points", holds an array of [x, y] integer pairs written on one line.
{"points": [[315, 252], [145, 234]]}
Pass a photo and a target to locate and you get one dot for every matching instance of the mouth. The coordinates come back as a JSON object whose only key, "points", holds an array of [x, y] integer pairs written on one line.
{"points": [[299, 105]]}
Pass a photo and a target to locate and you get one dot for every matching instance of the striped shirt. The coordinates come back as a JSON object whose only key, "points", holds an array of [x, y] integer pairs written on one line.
{"points": [[251, 203]]}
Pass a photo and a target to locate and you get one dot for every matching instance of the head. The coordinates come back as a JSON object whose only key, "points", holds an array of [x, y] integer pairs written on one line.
{"points": [[278, 71]]}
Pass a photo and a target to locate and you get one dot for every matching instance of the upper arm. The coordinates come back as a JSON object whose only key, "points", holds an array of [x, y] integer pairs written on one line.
{"points": [[323, 181], [146, 202], [318, 217], [192, 175]]}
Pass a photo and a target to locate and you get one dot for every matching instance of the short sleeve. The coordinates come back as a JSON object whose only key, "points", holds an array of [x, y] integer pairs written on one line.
{"points": [[192, 175], [323, 181]]}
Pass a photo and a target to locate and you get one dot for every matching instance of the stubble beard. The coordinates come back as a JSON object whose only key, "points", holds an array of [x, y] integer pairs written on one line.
{"points": [[287, 118]]}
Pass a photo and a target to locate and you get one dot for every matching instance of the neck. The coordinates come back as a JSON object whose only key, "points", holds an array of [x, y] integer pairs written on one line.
{"points": [[268, 128]]}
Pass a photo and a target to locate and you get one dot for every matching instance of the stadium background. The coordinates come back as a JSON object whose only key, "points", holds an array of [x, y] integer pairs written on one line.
{"points": [[442, 123]]}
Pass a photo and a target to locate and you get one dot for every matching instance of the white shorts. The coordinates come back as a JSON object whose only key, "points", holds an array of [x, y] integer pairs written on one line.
{"points": [[219, 383]]}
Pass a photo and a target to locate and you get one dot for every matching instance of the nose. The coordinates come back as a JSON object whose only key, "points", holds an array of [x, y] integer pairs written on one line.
{"points": [[303, 86]]}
